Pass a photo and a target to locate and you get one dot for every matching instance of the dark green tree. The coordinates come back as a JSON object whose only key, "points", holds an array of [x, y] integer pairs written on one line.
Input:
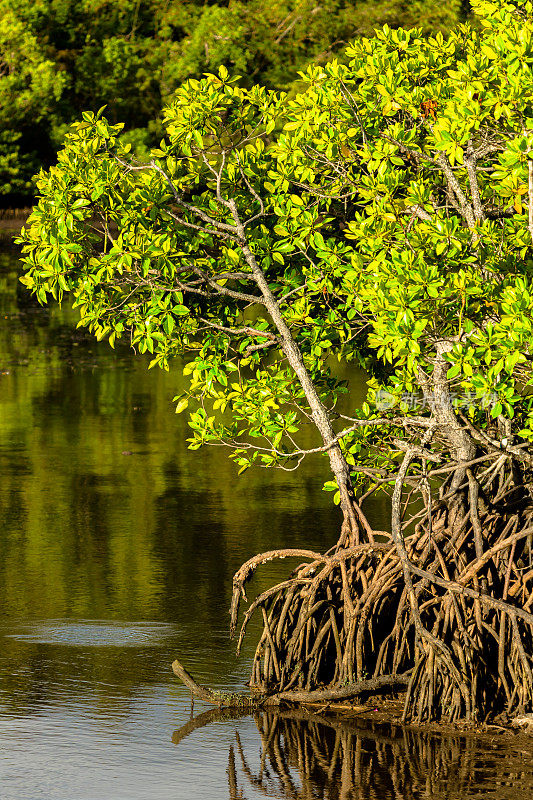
{"points": [[60, 57]]}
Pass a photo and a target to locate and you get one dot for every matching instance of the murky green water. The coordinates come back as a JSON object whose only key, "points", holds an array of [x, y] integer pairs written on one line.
{"points": [[117, 548]]}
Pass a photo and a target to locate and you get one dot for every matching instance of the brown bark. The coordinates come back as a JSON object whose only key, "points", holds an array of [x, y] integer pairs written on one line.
{"points": [[338, 464]]}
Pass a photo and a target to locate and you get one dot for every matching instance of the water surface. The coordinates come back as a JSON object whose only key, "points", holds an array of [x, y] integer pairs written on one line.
{"points": [[117, 549]]}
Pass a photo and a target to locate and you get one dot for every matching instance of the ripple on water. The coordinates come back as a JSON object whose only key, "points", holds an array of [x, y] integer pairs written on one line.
{"points": [[93, 633]]}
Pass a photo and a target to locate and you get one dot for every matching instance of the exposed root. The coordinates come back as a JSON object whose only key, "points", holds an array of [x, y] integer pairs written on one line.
{"points": [[450, 603]]}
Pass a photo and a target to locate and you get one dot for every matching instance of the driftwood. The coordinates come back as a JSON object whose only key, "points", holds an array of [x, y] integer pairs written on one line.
{"points": [[240, 700]]}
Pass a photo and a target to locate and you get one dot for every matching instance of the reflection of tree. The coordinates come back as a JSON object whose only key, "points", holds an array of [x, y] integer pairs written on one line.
{"points": [[305, 757], [88, 532]]}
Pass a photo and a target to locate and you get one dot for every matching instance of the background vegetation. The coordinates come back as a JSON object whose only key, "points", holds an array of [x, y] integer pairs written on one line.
{"points": [[60, 57]]}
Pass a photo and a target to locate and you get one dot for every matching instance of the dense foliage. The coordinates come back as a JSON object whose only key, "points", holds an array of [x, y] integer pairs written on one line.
{"points": [[61, 57], [387, 215]]}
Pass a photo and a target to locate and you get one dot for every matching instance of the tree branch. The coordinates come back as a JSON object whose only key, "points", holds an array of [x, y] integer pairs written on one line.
{"points": [[470, 160], [246, 331], [248, 298], [217, 225], [466, 208], [530, 196]]}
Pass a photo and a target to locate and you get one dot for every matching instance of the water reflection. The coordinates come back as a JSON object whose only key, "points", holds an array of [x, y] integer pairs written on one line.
{"points": [[104, 513], [117, 548], [300, 756]]}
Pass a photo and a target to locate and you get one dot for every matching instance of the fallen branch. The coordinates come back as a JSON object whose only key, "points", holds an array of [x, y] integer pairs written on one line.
{"points": [[239, 700], [343, 692], [203, 692]]}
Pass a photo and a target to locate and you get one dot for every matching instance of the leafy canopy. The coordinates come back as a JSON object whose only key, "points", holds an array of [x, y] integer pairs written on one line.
{"points": [[422, 149], [389, 207]]}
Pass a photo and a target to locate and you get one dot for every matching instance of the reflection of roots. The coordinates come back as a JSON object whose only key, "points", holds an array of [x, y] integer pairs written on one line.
{"points": [[464, 628], [304, 757]]}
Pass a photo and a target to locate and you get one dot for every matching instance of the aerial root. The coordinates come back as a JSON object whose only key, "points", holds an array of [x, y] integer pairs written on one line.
{"points": [[460, 626]]}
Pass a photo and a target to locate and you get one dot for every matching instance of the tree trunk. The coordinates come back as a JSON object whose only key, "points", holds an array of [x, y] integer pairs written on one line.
{"points": [[338, 463], [462, 447]]}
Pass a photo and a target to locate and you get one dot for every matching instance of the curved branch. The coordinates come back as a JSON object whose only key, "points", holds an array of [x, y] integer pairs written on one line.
{"points": [[203, 692]]}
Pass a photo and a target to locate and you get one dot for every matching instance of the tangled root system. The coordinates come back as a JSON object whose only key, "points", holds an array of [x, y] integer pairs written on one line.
{"points": [[446, 599]]}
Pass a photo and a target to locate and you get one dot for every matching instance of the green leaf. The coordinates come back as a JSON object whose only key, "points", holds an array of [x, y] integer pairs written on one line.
{"points": [[453, 371], [182, 405]]}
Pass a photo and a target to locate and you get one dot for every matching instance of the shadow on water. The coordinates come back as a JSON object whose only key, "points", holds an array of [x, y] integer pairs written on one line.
{"points": [[301, 756]]}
